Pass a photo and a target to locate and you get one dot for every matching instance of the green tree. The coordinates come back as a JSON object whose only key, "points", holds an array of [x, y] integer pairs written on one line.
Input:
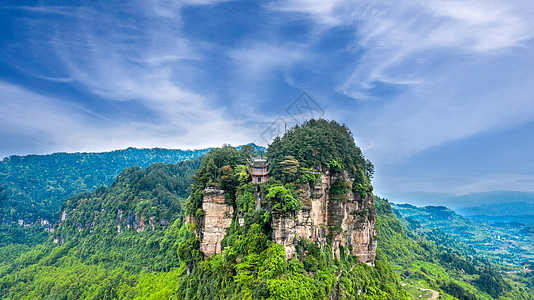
{"points": [[290, 167]]}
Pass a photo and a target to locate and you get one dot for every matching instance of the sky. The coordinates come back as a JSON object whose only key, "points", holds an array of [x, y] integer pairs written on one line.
{"points": [[438, 94]]}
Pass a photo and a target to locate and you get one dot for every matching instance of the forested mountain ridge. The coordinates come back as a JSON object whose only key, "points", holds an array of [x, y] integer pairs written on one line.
{"points": [[139, 199], [36, 185], [319, 190], [251, 266]]}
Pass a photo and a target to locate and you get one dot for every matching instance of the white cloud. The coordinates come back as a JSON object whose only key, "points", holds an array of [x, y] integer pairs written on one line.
{"points": [[458, 68], [53, 125], [146, 62], [258, 60], [329, 13]]}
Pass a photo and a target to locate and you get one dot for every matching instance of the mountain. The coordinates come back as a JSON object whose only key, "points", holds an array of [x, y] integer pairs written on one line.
{"points": [[111, 259], [319, 190], [500, 209], [33, 187], [151, 263], [135, 239], [428, 258], [459, 202], [139, 199]]}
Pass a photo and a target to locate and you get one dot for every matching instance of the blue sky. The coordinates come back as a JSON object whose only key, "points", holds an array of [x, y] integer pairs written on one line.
{"points": [[439, 94]]}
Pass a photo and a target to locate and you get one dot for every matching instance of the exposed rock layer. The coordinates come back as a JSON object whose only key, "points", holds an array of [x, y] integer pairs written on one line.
{"points": [[215, 222], [347, 221]]}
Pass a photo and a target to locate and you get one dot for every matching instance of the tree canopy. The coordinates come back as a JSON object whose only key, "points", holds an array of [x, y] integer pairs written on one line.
{"points": [[319, 144]]}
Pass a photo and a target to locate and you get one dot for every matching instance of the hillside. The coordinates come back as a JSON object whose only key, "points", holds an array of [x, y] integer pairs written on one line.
{"points": [[151, 264], [426, 257], [505, 243], [95, 236], [33, 187]]}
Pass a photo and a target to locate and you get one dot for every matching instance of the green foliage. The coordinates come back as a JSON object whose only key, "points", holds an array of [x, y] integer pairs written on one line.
{"points": [[101, 264], [36, 185], [283, 199], [149, 198], [188, 250], [92, 260], [361, 184], [290, 168], [129, 266], [436, 260], [457, 291], [245, 198], [221, 168], [309, 176], [491, 282], [321, 145], [339, 189]]}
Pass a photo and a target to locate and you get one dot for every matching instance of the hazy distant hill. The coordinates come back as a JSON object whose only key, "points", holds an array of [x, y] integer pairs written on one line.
{"points": [[459, 202], [500, 209]]}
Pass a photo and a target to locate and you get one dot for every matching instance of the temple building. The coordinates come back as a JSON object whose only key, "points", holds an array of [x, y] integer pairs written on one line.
{"points": [[258, 170]]}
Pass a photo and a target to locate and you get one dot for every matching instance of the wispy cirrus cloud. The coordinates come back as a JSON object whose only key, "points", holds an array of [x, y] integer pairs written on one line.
{"points": [[35, 123], [260, 59], [445, 67], [146, 62]]}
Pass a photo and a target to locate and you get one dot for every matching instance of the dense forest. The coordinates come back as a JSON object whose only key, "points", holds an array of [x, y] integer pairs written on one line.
{"points": [[35, 186], [130, 240]]}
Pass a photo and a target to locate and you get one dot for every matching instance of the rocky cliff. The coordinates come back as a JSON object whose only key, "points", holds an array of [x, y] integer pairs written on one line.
{"points": [[215, 222], [345, 221]]}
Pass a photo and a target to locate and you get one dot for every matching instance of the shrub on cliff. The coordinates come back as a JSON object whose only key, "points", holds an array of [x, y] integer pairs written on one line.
{"points": [[223, 168]]}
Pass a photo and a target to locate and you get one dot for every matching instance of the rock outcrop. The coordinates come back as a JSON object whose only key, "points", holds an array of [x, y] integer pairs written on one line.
{"points": [[215, 222], [347, 222]]}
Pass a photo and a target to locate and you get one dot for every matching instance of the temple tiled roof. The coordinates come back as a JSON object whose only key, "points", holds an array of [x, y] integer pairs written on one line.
{"points": [[259, 163]]}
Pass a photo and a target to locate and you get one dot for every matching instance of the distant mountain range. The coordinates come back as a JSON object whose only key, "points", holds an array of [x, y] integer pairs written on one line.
{"points": [[459, 202], [499, 209], [502, 239]]}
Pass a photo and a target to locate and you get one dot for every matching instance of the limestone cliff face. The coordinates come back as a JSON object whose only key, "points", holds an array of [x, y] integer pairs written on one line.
{"points": [[347, 221], [215, 222]]}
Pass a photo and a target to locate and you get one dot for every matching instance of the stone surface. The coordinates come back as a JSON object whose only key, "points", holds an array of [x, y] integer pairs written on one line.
{"points": [[349, 222], [215, 222]]}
